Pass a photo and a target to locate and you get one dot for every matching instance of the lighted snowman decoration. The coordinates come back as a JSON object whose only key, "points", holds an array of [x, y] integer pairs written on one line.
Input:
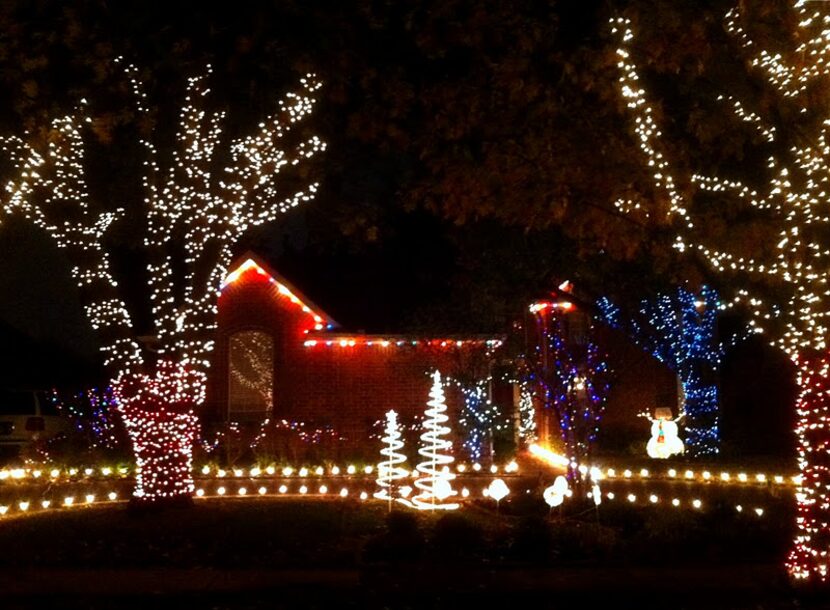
{"points": [[664, 441]]}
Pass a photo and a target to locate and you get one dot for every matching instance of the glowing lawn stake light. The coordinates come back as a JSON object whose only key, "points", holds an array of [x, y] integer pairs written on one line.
{"points": [[498, 490], [555, 494]]}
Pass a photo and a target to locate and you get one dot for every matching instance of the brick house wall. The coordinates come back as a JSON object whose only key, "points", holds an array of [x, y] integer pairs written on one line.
{"points": [[322, 376], [345, 382]]}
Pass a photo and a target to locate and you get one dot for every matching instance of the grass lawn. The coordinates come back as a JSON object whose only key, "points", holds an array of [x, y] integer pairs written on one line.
{"points": [[286, 552]]}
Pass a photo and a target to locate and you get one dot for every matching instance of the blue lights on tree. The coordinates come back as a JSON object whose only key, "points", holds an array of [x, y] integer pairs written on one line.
{"points": [[679, 330], [479, 417], [93, 415], [571, 378]]}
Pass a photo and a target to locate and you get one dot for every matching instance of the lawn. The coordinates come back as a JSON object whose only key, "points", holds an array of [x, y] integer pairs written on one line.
{"points": [[238, 553]]}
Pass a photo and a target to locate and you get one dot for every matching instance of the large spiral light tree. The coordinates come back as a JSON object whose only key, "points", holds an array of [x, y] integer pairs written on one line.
{"points": [[435, 482], [783, 282], [198, 202]]}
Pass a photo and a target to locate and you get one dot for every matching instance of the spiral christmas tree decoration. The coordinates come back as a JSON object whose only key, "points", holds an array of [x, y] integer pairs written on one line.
{"points": [[435, 482], [389, 470]]}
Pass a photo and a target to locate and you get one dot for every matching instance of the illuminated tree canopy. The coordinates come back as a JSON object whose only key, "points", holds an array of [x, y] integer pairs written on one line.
{"points": [[778, 197], [679, 329], [199, 200]]}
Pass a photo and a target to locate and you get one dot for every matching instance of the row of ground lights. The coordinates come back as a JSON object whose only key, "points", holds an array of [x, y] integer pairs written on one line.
{"points": [[26, 506], [704, 475], [560, 461], [648, 499], [18, 474]]}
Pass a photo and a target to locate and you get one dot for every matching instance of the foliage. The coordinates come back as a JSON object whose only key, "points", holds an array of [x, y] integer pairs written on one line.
{"points": [[401, 542], [94, 416], [456, 536], [570, 378], [679, 329]]}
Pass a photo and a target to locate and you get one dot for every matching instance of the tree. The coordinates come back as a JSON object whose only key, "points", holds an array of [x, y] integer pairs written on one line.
{"points": [[93, 414], [436, 480], [764, 223], [197, 206], [479, 418], [570, 377], [679, 329]]}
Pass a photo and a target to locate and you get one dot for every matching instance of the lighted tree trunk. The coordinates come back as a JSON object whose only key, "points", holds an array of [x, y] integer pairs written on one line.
{"points": [[810, 556], [571, 380], [702, 425]]}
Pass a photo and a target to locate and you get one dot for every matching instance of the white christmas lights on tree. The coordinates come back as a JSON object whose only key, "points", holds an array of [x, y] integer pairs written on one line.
{"points": [[186, 198], [435, 483], [479, 418], [791, 197], [389, 470], [527, 414]]}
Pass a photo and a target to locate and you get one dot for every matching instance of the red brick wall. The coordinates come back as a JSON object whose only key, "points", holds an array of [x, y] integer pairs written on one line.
{"points": [[641, 383], [348, 388]]}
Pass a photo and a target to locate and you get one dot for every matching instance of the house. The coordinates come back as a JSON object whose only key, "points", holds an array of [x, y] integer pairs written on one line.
{"points": [[278, 356]]}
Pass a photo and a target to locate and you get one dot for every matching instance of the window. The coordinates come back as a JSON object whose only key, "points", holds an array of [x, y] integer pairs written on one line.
{"points": [[250, 376]]}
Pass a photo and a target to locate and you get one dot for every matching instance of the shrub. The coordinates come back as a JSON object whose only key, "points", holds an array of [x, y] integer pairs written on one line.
{"points": [[456, 536], [575, 540], [532, 540], [401, 542]]}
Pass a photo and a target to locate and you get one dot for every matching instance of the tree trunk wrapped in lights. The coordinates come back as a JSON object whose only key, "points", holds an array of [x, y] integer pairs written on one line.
{"points": [[479, 418], [198, 204], [809, 556], [776, 247]]}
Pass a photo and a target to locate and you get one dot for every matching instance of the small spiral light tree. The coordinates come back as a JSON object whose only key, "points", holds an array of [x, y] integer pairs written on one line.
{"points": [[390, 470], [436, 482]]}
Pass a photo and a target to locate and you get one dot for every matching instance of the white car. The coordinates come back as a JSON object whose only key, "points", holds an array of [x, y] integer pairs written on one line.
{"points": [[27, 416]]}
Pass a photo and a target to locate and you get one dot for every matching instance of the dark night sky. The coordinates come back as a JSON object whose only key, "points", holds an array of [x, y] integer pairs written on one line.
{"points": [[395, 269]]}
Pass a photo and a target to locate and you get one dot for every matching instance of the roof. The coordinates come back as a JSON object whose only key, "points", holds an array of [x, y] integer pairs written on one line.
{"points": [[327, 332], [249, 261], [350, 340]]}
